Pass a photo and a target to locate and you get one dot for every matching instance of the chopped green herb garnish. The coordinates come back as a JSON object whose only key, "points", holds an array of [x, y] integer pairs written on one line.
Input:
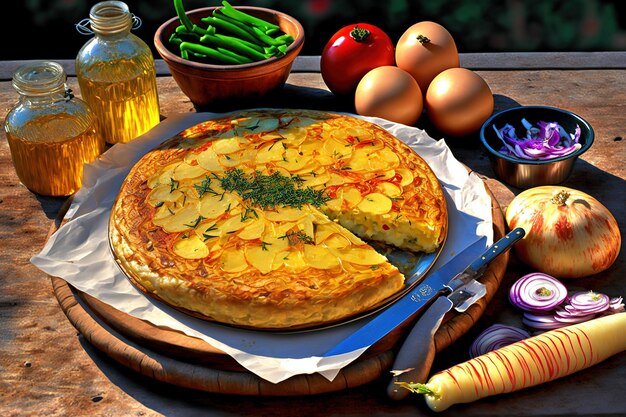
{"points": [[271, 191], [173, 185], [204, 187], [195, 223], [294, 238], [248, 213], [206, 235]]}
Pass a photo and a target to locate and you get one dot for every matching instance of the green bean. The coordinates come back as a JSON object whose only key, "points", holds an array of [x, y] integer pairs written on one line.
{"points": [[244, 17], [182, 15], [198, 30], [233, 44], [229, 27], [246, 38], [175, 40], [265, 38], [211, 53], [217, 14], [234, 55]]}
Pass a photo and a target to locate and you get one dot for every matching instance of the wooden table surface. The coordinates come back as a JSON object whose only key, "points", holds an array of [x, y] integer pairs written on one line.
{"points": [[48, 368]]}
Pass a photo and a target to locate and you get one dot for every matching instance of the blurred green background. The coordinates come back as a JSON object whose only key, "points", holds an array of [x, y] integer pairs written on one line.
{"points": [[476, 25]]}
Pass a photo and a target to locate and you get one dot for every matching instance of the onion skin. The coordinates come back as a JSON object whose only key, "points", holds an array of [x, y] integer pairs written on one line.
{"points": [[575, 239]]}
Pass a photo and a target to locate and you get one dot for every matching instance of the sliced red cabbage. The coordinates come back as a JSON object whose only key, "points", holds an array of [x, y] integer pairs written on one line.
{"points": [[547, 140]]}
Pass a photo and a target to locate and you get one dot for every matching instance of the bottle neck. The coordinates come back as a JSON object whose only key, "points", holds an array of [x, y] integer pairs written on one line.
{"points": [[110, 18], [40, 81]]}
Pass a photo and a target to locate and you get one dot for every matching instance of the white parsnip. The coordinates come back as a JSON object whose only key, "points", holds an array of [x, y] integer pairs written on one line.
{"points": [[538, 359]]}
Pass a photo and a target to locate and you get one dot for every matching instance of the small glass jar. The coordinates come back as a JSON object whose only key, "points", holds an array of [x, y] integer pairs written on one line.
{"points": [[51, 133], [117, 74]]}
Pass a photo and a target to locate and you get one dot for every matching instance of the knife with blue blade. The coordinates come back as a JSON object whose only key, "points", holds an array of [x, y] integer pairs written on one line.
{"points": [[417, 353], [443, 281]]}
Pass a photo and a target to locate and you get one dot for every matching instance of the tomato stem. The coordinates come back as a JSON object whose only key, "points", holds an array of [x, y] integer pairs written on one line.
{"points": [[422, 39], [359, 34]]}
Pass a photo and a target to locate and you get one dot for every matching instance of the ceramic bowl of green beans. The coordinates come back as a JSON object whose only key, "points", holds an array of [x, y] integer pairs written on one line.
{"points": [[229, 56]]}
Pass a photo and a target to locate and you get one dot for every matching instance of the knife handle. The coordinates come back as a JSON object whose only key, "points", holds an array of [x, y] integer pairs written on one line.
{"points": [[497, 249], [418, 350]]}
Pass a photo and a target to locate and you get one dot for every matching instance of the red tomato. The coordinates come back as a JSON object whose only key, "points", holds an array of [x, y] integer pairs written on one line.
{"points": [[351, 52]]}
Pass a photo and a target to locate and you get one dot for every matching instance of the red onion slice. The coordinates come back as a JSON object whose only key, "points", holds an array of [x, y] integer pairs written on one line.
{"points": [[495, 337], [545, 324], [590, 300], [616, 305], [537, 292]]}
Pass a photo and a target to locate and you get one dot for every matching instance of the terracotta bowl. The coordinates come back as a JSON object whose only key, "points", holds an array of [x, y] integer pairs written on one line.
{"points": [[211, 86]]}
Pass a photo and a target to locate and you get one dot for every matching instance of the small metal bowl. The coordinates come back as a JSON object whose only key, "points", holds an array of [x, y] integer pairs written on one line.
{"points": [[523, 173]]}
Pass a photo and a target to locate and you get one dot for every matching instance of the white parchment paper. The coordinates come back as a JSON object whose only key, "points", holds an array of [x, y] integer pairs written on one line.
{"points": [[79, 253]]}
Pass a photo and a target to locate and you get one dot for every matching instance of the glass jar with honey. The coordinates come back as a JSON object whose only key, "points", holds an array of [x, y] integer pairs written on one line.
{"points": [[51, 133], [117, 74]]}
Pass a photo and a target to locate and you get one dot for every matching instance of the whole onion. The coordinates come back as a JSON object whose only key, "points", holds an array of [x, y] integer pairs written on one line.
{"points": [[569, 234]]}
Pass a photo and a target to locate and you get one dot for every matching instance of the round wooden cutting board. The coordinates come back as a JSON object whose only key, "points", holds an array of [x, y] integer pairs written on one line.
{"points": [[173, 357]]}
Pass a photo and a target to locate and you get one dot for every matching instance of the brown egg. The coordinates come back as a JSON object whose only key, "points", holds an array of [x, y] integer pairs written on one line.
{"points": [[424, 50], [458, 101], [391, 93]]}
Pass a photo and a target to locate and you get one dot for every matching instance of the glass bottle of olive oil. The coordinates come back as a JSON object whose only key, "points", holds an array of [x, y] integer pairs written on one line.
{"points": [[117, 76], [51, 133]]}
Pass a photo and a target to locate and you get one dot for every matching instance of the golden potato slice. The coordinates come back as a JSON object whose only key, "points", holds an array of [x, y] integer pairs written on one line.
{"points": [[384, 159], [324, 231], [375, 203], [260, 258], [186, 171], [235, 223], [191, 247], [162, 176], [226, 146], [235, 159], [208, 160], [359, 256], [319, 257], [351, 196], [233, 260], [295, 261], [293, 135], [336, 148], [285, 214], [214, 205], [407, 176], [293, 161], [337, 241], [187, 218], [313, 179], [164, 193], [252, 231], [359, 162], [270, 152], [389, 189]]}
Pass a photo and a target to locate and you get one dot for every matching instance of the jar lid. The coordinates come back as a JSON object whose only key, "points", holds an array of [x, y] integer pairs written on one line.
{"points": [[109, 17], [39, 78]]}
